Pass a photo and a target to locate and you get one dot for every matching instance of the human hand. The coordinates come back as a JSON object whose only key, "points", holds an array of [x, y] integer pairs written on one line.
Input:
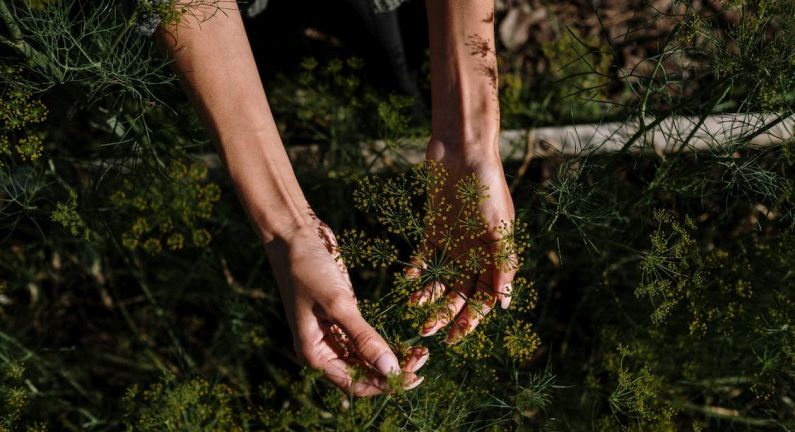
{"points": [[329, 332], [468, 299]]}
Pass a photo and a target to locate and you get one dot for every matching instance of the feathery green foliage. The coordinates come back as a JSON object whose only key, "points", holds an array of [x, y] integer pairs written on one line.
{"points": [[655, 291]]}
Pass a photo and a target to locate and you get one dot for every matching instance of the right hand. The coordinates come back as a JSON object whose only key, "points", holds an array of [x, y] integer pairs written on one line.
{"points": [[329, 332], [468, 299]]}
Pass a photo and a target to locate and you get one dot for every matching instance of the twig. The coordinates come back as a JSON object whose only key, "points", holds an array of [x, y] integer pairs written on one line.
{"points": [[730, 415], [18, 42]]}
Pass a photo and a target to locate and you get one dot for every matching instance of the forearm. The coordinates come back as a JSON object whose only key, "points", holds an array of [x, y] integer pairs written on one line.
{"points": [[463, 76], [212, 55]]}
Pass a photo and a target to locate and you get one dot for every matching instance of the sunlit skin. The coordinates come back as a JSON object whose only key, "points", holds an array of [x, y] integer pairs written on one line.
{"points": [[212, 55], [465, 139]]}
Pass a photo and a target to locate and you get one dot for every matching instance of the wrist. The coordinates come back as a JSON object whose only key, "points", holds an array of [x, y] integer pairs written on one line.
{"points": [[467, 122], [294, 235], [473, 148], [469, 119], [280, 228]]}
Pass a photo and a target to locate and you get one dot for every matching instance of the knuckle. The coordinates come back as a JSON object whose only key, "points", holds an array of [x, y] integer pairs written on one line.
{"points": [[345, 383], [341, 305], [367, 342], [493, 234]]}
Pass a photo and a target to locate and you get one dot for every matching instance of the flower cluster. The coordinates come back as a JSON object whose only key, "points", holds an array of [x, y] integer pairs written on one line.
{"points": [[672, 266], [355, 248], [441, 221], [675, 271], [168, 213], [177, 406], [165, 11], [14, 396], [19, 111], [66, 214], [521, 341]]}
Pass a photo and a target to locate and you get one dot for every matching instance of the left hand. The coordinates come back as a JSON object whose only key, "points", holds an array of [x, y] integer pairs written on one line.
{"points": [[329, 332]]}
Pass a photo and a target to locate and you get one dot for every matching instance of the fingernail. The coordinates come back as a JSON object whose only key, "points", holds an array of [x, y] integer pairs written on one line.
{"points": [[428, 331], [437, 291], [414, 384], [411, 272], [454, 336], [387, 364], [505, 301], [460, 328], [422, 300], [419, 351], [433, 324], [424, 359]]}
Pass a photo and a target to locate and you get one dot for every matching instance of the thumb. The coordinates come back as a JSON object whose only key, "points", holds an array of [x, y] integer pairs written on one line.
{"points": [[370, 346]]}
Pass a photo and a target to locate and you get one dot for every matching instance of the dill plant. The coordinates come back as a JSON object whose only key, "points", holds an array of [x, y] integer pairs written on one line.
{"points": [[181, 406], [437, 229], [661, 294]]}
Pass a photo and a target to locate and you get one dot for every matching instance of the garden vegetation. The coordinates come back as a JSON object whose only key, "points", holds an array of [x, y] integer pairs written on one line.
{"points": [[655, 292]]}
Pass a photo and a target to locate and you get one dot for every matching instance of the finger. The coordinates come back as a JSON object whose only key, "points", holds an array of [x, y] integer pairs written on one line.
{"points": [[322, 357], [432, 292], [414, 271], [415, 359], [415, 267], [503, 281], [476, 309], [411, 381], [455, 301], [336, 371], [370, 346]]}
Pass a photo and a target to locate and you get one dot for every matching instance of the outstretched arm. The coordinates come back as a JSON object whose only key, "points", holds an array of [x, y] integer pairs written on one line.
{"points": [[211, 53], [465, 139]]}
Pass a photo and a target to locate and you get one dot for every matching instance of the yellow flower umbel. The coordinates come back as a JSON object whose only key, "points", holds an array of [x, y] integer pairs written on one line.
{"points": [[451, 243], [169, 214], [521, 341], [19, 111]]}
